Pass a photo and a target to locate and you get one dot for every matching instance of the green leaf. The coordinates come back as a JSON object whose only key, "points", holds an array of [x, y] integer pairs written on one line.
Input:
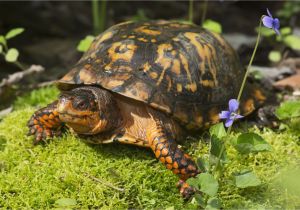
{"points": [[213, 203], [218, 130], [275, 56], [247, 179], [208, 184], [266, 32], [84, 44], [292, 41], [202, 164], [288, 109], [194, 182], [2, 40], [212, 25], [216, 146], [170, 208], [14, 32], [12, 55], [285, 31], [200, 200], [1, 48], [251, 142], [65, 202]]}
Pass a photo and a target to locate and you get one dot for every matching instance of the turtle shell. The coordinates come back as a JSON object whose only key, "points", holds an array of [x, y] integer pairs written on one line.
{"points": [[178, 68]]}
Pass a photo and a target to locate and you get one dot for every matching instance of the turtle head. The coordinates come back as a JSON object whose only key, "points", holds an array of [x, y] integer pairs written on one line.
{"points": [[88, 110]]}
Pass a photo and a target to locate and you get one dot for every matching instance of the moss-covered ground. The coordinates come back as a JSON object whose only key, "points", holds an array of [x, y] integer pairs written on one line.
{"points": [[121, 176]]}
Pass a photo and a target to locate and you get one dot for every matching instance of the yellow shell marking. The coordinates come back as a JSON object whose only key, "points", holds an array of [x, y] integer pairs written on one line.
{"points": [[142, 39], [176, 67], [147, 31], [206, 54], [185, 63], [87, 76], [104, 37], [169, 82], [179, 87], [164, 61], [192, 87], [221, 40], [125, 56], [146, 67], [207, 83], [153, 75]]}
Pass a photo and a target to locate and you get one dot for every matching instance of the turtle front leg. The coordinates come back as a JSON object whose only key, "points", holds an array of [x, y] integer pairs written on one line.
{"points": [[167, 151], [45, 123]]}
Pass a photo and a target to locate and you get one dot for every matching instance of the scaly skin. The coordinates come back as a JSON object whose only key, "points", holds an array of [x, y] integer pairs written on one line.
{"points": [[45, 123], [167, 151]]}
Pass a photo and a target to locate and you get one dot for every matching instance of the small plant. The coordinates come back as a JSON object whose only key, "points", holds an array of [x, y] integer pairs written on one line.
{"points": [[10, 54], [289, 113], [212, 25], [245, 143], [287, 38], [85, 43], [99, 15]]}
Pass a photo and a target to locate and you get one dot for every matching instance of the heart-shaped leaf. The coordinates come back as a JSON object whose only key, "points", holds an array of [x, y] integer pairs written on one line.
{"points": [[288, 109], [12, 55], [218, 130], [251, 142], [247, 179], [213, 204]]}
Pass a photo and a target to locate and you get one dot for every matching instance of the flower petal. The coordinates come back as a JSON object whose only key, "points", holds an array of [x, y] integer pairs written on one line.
{"points": [[237, 116], [268, 21], [228, 122], [277, 31], [233, 105], [276, 23], [224, 115], [269, 13]]}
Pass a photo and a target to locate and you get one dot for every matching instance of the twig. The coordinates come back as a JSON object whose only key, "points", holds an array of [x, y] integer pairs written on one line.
{"points": [[104, 182], [16, 77], [43, 84], [6, 111]]}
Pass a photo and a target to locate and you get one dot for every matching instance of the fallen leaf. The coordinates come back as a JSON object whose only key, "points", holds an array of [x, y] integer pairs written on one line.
{"points": [[292, 82]]}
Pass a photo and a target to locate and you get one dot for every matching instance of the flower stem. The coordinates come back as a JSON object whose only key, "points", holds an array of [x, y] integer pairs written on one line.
{"points": [[241, 89], [96, 18], [250, 63]]}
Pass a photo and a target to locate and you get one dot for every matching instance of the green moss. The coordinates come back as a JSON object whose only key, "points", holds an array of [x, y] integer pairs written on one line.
{"points": [[37, 176]]}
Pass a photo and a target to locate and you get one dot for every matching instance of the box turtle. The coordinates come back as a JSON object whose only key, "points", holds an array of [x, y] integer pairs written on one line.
{"points": [[147, 84]]}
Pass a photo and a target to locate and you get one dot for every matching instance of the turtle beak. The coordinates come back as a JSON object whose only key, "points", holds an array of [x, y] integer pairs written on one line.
{"points": [[64, 104]]}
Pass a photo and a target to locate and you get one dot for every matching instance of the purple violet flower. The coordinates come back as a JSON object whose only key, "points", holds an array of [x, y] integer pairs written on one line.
{"points": [[231, 114], [271, 22]]}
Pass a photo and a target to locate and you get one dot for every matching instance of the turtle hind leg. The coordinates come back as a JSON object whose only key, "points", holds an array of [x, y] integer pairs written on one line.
{"points": [[166, 150], [45, 123]]}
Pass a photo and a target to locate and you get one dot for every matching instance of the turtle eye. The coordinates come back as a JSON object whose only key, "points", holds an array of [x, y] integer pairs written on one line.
{"points": [[81, 104]]}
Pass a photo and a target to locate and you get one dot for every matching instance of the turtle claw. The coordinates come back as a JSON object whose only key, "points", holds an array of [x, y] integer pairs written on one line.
{"points": [[185, 189], [41, 133], [45, 124]]}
